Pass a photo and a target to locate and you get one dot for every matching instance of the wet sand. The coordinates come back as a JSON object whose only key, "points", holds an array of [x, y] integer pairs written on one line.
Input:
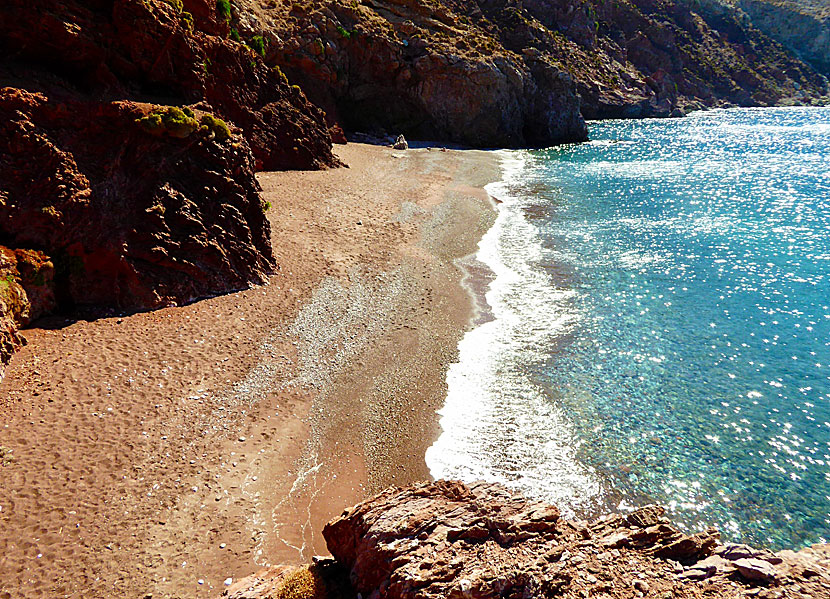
{"points": [[157, 454]]}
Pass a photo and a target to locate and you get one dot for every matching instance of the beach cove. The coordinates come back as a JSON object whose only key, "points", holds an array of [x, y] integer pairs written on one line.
{"points": [[157, 453]]}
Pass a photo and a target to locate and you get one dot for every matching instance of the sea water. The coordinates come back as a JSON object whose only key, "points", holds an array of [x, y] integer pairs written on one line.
{"points": [[658, 327]]}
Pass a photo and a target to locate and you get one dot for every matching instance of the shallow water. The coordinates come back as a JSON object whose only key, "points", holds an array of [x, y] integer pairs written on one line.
{"points": [[661, 326]]}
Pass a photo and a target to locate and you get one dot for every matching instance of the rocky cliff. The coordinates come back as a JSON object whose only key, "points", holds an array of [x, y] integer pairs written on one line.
{"points": [[418, 68], [138, 205], [165, 52], [447, 540], [803, 26], [136, 202], [502, 73]]}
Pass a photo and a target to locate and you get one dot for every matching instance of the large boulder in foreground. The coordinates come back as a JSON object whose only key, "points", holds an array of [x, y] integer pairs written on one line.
{"points": [[448, 540], [138, 206]]}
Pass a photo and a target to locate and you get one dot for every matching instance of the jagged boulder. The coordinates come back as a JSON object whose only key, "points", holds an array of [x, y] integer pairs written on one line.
{"points": [[138, 206], [448, 540]]}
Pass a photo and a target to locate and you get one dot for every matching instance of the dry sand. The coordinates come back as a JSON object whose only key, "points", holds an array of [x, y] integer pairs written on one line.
{"points": [[159, 453]]}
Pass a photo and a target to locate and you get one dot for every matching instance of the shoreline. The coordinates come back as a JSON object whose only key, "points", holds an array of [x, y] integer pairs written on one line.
{"points": [[161, 452]]}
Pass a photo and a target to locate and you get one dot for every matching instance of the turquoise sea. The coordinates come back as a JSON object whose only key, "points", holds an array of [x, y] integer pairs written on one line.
{"points": [[658, 326]]}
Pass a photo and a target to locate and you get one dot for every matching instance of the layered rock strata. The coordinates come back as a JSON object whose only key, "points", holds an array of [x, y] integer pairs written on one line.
{"points": [[445, 539]]}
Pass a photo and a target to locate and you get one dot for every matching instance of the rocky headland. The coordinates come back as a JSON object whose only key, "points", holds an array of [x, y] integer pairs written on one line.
{"points": [[133, 201], [446, 539], [131, 132], [495, 73]]}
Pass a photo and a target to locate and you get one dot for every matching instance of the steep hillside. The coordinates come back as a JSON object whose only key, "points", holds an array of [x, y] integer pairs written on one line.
{"points": [[803, 26], [419, 68], [635, 58], [486, 72], [166, 52]]}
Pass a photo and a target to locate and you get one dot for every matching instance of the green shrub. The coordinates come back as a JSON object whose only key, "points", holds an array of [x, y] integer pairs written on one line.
{"points": [[235, 35], [223, 7], [220, 128], [344, 32], [257, 44], [266, 206], [173, 121], [51, 211]]}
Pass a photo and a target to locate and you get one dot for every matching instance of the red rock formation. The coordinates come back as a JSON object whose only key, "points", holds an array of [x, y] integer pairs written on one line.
{"points": [[652, 57], [447, 540], [501, 73], [26, 293], [133, 217], [168, 52], [133, 220], [393, 66]]}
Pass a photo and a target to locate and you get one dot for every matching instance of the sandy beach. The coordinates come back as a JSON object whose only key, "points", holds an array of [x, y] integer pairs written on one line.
{"points": [[157, 454]]}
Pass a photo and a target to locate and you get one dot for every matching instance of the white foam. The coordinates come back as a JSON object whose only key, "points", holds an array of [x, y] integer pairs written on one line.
{"points": [[498, 423]]}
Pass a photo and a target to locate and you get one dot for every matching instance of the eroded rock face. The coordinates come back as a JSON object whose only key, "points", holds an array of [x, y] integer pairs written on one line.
{"points": [[135, 218], [803, 26], [26, 293], [388, 66], [132, 218], [445, 539], [448, 540], [154, 50], [654, 57], [497, 73]]}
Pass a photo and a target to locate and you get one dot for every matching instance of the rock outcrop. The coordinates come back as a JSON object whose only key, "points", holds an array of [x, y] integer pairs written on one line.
{"points": [[138, 206], [26, 293], [445, 539], [498, 73], [137, 215], [653, 57], [417, 68], [167, 52]]}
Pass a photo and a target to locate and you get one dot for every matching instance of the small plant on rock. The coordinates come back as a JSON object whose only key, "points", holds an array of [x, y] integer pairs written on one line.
{"points": [[257, 44], [223, 7], [283, 79], [176, 4], [173, 121], [220, 128], [187, 19]]}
